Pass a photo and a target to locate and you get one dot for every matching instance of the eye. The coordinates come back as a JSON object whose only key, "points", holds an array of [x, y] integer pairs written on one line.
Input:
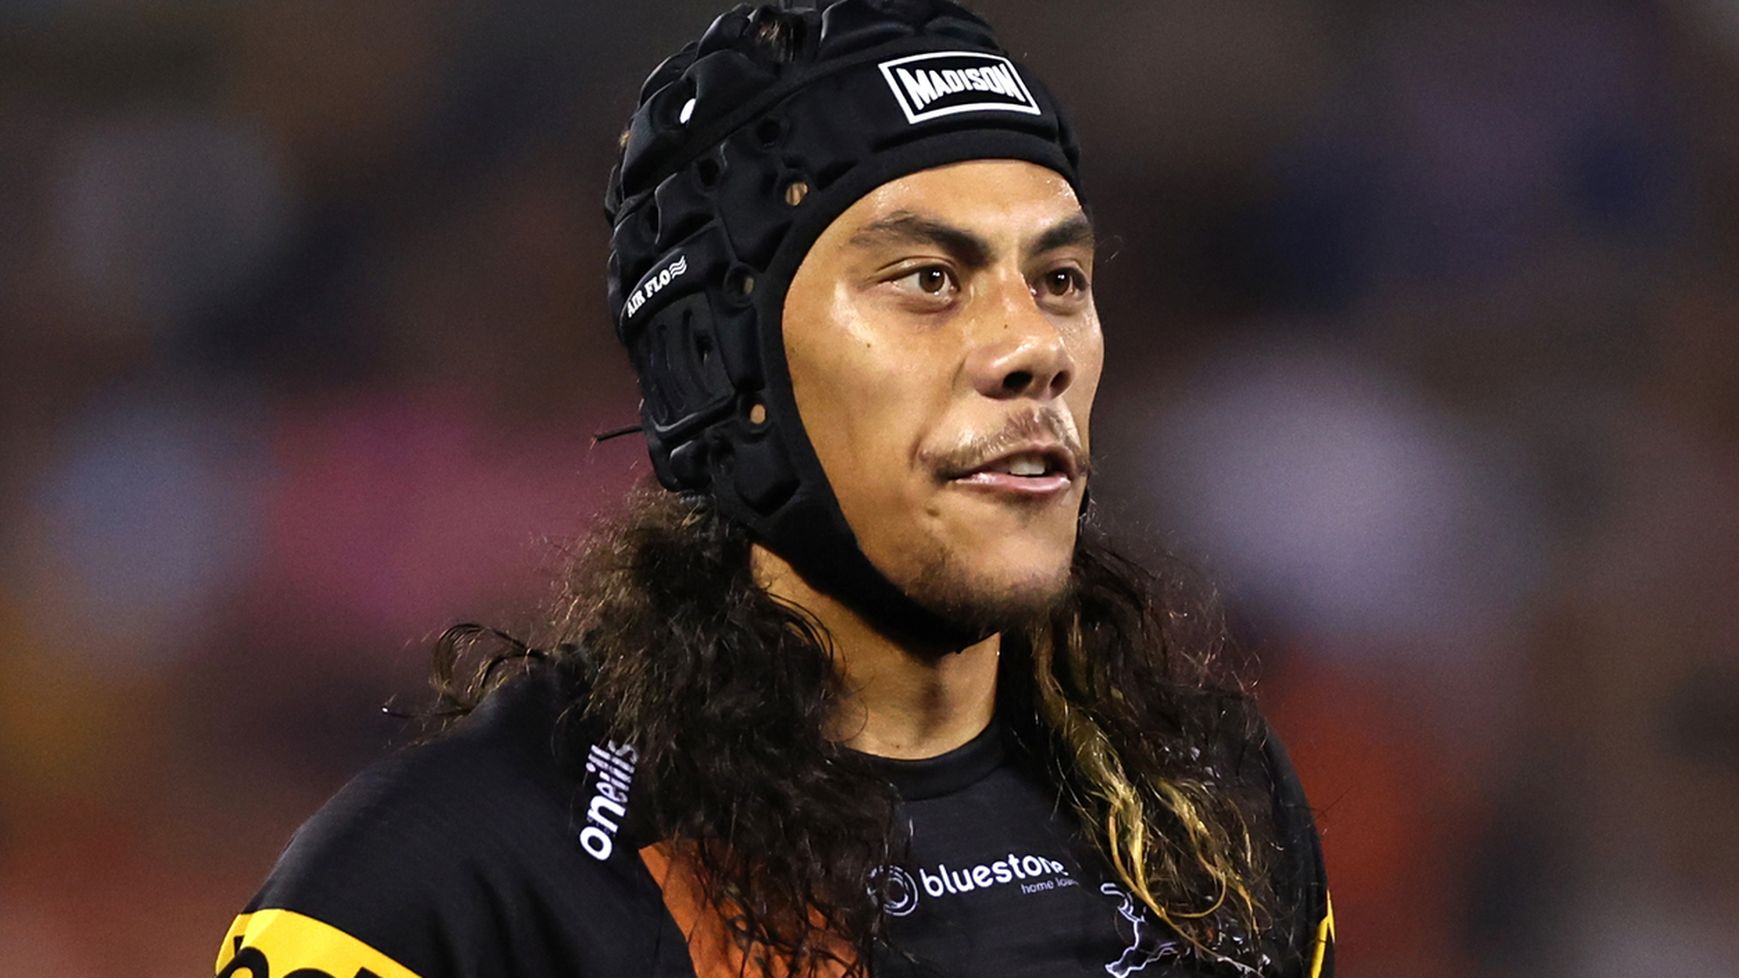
{"points": [[1062, 283], [931, 280]]}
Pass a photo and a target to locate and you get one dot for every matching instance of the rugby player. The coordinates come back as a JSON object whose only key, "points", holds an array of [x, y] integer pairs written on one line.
{"points": [[860, 687]]}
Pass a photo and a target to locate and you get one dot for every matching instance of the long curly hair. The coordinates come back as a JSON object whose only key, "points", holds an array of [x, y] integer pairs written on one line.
{"points": [[726, 691]]}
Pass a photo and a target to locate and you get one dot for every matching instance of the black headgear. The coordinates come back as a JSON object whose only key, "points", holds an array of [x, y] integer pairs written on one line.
{"points": [[745, 147]]}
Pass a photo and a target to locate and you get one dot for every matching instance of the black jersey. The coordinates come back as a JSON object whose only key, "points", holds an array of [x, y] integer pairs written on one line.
{"points": [[479, 856]]}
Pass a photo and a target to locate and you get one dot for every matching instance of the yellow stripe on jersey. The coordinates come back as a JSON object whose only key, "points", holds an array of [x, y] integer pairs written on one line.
{"points": [[271, 943], [1324, 937]]}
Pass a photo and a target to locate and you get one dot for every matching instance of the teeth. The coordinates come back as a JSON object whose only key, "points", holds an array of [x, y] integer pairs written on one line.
{"points": [[1026, 465]]}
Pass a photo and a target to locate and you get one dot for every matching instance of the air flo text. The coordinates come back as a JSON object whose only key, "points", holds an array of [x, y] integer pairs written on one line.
{"points": [[653, 284]]}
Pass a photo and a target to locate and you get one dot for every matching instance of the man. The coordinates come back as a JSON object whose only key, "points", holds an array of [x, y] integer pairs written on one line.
{"points": [[865, 694]]}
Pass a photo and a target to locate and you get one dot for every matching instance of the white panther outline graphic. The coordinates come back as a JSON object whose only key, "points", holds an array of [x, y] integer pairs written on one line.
{"points": [[1149, 944]]}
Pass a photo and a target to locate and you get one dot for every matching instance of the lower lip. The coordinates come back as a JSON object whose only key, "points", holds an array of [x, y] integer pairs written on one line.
{"points": [[1024, 486]]}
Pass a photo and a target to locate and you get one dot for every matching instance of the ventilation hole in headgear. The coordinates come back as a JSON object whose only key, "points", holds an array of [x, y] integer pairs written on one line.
{"points": [[757, 413], [795, 191], [706, 170], [768, 132], [740, 282]]}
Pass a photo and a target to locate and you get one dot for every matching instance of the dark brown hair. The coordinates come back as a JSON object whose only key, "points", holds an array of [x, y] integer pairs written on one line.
{"points": [[725, 691]]}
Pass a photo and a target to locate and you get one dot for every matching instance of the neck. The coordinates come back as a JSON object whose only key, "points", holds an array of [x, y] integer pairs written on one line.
{"points": [[902, 699]]}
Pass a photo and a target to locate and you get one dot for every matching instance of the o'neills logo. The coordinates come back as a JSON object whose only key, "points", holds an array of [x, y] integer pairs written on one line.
{"points": [[941, 83], [613, 767], [653, 283]]}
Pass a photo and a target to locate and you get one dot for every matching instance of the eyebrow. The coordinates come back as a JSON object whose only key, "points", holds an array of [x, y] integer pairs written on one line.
{"points": [[906, 227], [1069, 233]]}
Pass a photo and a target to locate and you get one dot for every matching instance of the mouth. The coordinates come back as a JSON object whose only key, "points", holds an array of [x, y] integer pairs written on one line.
{"points": [[1035, 471]]}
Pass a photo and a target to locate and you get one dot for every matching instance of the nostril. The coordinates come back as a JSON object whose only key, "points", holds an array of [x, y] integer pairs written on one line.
{"points": [[1017, 381], [1061, 381]]}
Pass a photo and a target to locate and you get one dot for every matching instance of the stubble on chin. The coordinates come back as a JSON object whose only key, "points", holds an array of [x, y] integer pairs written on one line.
{"points": [[951, 588]]}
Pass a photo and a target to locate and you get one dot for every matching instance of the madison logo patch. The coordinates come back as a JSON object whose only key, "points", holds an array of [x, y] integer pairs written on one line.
{"points": [[929, 86]]}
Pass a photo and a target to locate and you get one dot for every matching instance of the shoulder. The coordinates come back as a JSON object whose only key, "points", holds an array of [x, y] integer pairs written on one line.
{"points": [[437, 857], [488, 790]]}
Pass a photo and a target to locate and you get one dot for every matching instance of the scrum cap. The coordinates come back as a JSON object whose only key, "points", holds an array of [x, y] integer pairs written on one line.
{"points": [[745, 146]]}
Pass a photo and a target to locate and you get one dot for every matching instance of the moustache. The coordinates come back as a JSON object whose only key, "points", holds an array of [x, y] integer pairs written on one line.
{"points": [[974, 450]]}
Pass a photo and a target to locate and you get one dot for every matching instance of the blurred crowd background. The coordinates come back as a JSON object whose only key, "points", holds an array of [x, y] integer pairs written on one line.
{"points": [[1423, 323]]}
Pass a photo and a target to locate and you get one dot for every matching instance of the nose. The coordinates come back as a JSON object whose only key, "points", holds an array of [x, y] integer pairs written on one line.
{"points": [[1022, 354]]}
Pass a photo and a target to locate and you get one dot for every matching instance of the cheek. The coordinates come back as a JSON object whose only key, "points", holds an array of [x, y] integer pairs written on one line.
{"points": [[855, 400], [1089, 357]]}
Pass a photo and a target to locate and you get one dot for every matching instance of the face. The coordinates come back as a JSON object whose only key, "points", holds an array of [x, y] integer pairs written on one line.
{"points": [[944, 351]]}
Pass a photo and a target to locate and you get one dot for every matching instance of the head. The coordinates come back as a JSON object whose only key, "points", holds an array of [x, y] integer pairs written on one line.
{"points": [[944, 350], [875, 434]]}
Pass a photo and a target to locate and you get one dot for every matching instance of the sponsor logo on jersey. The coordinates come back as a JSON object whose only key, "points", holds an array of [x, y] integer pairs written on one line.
{"points": [[612, 770], [942, 83], [654, 283], [283, 943], [895, 890], [1034, 874]]}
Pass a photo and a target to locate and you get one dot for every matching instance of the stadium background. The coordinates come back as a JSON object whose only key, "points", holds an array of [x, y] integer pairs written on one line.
{"points": [[1422, 321]]}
